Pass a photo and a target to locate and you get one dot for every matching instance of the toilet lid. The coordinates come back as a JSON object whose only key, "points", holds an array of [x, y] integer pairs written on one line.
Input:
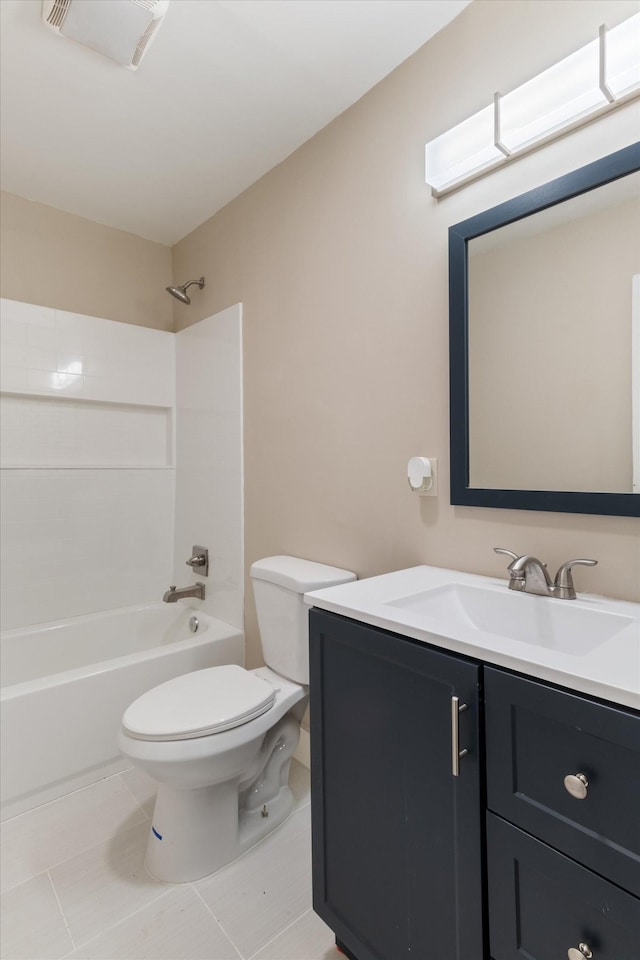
{"points": [[198, 704]]}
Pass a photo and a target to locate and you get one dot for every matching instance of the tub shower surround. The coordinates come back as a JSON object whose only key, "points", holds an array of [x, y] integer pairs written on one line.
{"points": [[209, 458], [90, 500], [87, 479]]}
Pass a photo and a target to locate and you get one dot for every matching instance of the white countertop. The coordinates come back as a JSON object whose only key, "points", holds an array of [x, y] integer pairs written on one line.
{"points": [[609, 669]]}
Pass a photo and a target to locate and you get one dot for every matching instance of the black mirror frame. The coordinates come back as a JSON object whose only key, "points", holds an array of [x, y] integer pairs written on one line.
{"points": [[596, 174]]}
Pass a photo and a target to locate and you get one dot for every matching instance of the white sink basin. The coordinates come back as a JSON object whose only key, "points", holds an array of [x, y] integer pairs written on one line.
{"points": [[520, 617], [590, 644]]}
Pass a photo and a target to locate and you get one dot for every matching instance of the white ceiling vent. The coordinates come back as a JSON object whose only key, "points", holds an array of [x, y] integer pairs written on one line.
{"points": [[120, 29]]}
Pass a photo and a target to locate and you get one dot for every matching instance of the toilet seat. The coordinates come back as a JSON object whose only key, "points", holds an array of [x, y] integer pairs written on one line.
{"points": [[199, 704]]}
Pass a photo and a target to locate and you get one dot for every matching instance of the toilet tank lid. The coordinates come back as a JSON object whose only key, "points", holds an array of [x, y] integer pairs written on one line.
{"points": [[299, 575]]}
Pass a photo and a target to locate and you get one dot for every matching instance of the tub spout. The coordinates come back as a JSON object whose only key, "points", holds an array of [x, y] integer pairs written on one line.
{"points": [[173, 594]]}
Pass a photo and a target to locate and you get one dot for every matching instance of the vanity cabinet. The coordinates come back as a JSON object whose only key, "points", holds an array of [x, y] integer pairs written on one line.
{"points": [[506, 861], [397, 868]]}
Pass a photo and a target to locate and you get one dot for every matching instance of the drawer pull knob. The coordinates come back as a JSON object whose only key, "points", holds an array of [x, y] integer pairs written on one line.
{"points": [[576, 784], [583, 952]]}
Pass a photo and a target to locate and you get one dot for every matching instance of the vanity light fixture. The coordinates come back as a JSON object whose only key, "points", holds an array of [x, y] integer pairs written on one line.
{"points": [[595, 79]]}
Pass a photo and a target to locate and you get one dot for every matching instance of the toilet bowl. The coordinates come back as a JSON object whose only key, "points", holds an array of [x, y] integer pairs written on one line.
{"points": [[221, 791], [219, 741]]}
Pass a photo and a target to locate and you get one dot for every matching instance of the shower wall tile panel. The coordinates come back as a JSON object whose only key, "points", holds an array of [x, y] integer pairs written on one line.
{"points": [[209, 506], [76, 541], [37, 431], [18, 315], [80, 541], [55, 353]]}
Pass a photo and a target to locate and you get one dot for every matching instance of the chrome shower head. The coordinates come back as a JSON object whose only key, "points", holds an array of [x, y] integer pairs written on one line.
{"points": [[180, 293]]}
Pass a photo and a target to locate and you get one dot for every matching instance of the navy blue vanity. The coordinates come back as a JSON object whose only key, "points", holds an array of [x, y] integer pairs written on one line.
{"points": [[462, 811]]}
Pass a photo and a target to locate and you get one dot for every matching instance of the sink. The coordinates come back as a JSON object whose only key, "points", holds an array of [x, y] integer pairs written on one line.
{"points": [[561, 625], [591, 644]]}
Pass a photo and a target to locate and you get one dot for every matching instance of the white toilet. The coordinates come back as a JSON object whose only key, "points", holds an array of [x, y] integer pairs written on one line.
{"points": [[219, 741]]}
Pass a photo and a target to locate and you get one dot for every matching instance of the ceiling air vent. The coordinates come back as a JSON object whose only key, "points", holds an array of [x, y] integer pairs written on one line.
{"points": [[119, 29], [56, 13]]}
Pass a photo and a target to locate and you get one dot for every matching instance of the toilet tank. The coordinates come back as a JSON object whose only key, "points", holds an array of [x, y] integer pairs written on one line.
{"points": [[279, 584]]}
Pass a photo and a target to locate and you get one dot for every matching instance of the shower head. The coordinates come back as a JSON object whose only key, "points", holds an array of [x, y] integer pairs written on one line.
{"points": [[180, 293]]}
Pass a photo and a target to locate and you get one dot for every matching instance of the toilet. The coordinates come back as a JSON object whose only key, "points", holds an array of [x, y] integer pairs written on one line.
{"points": [[219, 741]]}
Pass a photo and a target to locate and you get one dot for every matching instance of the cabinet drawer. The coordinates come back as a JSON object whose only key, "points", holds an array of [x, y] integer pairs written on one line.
{"points": [[542, 904], [536, 736]]}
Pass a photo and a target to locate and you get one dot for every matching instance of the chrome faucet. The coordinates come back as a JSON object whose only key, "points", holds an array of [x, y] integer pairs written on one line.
{"points": [[173, 594], [530, 575]]}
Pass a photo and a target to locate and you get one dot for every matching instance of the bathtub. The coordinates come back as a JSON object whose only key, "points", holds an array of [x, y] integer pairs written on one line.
{"points": [[66, 684]]}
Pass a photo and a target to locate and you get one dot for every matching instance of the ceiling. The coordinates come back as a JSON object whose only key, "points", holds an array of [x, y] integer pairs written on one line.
{"points": [[228, 89]]}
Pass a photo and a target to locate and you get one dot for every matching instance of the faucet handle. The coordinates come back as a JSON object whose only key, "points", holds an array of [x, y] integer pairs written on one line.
{"points": [[564, 580], [199, 560], [516, 578], [514, 556], [507, 553]]}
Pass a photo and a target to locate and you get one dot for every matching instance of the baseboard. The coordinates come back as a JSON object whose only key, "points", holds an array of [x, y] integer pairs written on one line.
{"points": [[303, 751]]}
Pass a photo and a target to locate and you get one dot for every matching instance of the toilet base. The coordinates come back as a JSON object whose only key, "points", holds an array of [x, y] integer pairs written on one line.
{"points": [[196, 831], [195, 844]]}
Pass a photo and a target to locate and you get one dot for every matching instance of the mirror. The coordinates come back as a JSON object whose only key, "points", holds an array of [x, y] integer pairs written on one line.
{"points": [[544, 301]]}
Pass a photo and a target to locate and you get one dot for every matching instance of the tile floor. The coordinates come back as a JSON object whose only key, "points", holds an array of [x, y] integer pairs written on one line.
{"points": [[74, 885]]}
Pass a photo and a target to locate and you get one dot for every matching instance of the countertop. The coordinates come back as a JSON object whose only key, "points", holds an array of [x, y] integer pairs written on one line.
{"points": [[609, 669]]}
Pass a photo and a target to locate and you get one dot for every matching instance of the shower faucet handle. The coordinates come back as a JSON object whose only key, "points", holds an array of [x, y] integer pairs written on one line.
{"points": [[199, 560]]}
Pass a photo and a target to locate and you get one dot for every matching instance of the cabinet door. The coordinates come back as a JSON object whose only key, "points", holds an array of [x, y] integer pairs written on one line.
{"points": [[542, 904], [396, 836]]}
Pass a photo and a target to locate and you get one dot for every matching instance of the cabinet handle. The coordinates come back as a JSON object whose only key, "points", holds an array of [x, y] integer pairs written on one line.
{"points": [[456, 709], [576, 784], [582, 952]]}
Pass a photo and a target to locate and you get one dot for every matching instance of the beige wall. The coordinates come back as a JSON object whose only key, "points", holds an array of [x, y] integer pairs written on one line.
{"points": [[550, 348], [339, 256], [57, 259]]}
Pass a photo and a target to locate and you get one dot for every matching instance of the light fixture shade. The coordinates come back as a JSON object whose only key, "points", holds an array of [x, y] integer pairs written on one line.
{"points": [[564, 94], [465, 149], [598, 77], [622, 58]]}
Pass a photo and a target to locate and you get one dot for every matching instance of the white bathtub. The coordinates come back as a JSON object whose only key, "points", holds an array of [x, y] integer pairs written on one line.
{"points": [[66, 684]]}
